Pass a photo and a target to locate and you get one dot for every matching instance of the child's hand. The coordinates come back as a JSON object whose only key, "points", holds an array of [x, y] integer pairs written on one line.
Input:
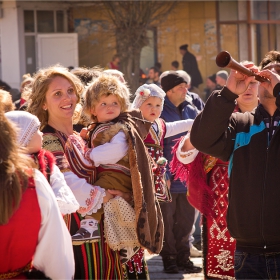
{"points": [[125, 195], [107, 197], [84, 133]]}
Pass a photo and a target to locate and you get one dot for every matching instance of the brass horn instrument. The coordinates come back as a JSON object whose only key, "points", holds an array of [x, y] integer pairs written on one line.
{"points": [[224, 59]]}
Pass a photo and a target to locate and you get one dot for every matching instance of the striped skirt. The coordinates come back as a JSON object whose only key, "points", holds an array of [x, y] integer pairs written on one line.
{"points": [[94, 260], [97, 261]]}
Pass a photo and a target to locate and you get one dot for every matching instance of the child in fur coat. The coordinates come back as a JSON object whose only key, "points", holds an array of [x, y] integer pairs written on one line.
{"points": [[107, 101]]}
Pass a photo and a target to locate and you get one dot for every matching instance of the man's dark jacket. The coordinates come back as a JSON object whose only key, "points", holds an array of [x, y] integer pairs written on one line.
{"points": [[190, 66], [187, 110], [254, 168]]}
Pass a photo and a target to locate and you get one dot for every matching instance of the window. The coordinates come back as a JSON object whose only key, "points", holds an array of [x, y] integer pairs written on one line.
{"points": [[228, 10], [45, 21], [29, 23], [59, 21], [40, 21], [253, 36]]}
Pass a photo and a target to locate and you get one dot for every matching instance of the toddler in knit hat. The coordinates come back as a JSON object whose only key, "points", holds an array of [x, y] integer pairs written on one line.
{"points": [[149, 98], [30, 138]]}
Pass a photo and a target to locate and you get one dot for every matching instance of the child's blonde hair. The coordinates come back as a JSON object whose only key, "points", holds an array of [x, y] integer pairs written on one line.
{"points": [[106, 85]]}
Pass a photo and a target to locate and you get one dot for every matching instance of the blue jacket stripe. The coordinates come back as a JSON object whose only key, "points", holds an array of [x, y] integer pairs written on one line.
{"points": [[243, 139]]}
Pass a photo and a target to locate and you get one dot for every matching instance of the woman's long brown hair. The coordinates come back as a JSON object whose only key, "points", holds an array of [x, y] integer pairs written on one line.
{"points": [[14, 168]]}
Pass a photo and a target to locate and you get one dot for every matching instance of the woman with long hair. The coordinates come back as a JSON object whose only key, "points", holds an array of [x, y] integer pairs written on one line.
{"points": [[29, 216], [54, 95]]}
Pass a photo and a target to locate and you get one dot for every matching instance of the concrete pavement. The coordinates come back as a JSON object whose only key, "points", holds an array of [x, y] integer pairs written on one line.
{"points": [[155, 267]]}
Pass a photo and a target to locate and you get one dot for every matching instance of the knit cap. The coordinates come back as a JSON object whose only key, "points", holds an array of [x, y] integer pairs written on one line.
{"points": [[212, 78], [223, 74], [144, 92], [27, 123], [171, 80]]}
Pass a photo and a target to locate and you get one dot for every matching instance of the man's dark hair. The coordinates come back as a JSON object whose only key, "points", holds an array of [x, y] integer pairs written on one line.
{"points": [[175, 64], [156, 70], [158, 65], [86, 75], [184, 47], [270, 57]]}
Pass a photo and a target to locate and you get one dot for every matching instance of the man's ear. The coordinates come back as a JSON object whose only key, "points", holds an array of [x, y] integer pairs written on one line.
{"points": [[169, 92]]}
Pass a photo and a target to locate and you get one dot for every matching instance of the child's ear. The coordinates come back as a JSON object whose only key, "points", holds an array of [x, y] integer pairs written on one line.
{"points": [[92, 111]]}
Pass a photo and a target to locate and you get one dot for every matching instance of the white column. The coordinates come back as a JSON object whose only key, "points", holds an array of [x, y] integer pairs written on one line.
{"points": [[10, 45]]}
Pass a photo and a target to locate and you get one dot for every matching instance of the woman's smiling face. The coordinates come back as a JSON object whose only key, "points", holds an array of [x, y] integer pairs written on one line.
{"points": [[61, 99]]}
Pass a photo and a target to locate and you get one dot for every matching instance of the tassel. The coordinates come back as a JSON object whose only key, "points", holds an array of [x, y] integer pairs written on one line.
{"points": [[193, 174]]}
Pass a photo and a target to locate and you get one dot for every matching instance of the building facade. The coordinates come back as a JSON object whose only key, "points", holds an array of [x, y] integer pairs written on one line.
{"points": [[34, 34]]}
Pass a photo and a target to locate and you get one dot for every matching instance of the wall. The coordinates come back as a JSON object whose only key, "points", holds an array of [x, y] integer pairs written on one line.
{"points": [[96, 40], [10, 51], [192, 23]]}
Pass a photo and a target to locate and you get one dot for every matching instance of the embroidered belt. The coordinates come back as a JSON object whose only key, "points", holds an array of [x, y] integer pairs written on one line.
{"points": [[114, 167], [13, 274]]}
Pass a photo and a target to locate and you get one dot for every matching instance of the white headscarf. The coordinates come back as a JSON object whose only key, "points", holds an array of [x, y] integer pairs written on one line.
{"points": [[144, 92], [27, 123]]}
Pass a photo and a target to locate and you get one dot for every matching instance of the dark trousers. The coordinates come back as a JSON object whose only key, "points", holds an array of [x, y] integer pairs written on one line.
{"points": [[256, 266], [178, 217]]}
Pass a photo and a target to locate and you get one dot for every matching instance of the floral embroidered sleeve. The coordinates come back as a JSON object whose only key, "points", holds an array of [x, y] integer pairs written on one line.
{"points": [[188, 156], [77, 171]]}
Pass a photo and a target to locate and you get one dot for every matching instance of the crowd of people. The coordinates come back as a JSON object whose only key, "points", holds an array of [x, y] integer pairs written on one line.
{"points": [[90, 180]]}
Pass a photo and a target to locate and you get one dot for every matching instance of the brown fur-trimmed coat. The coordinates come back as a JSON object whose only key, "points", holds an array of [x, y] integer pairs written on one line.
{"points": [[149, 220]]}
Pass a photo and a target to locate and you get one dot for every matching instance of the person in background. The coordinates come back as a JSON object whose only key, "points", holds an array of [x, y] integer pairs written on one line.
{"points": [[36, 243], [178, 215], [208, 182], [158, 66], [114, 63], [221, 78], [116, 73], [210, 85], [4, 86], [174, 65], [198, 103], [190, 65], [153, 76], [250, 142], [7, 102], [21, 103], [86, 75]]}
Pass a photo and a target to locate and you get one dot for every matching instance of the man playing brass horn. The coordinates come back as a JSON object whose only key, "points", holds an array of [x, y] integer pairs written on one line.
{"points": [[251, 143]]}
